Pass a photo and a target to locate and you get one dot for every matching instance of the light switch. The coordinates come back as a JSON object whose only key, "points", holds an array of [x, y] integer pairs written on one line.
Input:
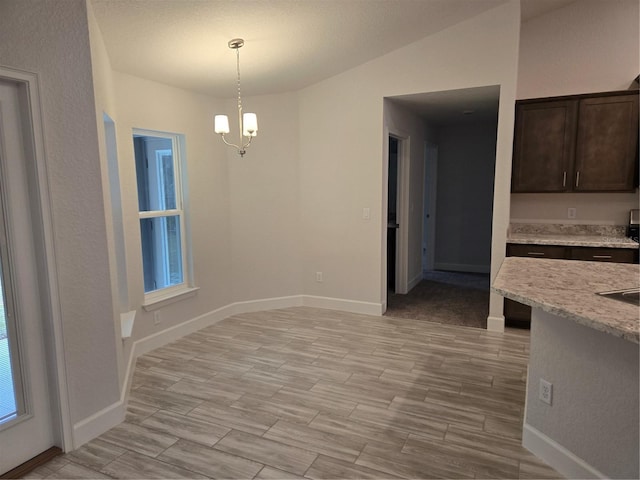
{"points": [[366, 213]]}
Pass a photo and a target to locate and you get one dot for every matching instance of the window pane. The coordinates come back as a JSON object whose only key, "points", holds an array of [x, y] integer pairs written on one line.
{"points": [[8, 407], [154, 172], [161, 252]]}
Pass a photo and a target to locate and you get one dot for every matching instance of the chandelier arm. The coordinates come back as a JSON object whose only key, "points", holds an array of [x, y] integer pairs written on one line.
{"points": [[230, 144], [248, 143], [240, 123]]}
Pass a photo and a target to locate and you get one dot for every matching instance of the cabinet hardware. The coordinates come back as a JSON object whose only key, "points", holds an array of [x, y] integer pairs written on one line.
{"points": [[577, 178], [564, 179], [602, 256], [536, 254]]}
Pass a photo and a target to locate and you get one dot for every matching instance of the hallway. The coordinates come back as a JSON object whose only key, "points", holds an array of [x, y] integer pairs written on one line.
{"points": [[451, 298]]}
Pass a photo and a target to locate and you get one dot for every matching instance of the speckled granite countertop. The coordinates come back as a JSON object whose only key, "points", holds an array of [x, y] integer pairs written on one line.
{"points": [[572, 240], [568, 289], [570, 235]]}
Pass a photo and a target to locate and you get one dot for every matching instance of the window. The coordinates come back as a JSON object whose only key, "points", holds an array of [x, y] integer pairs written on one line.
{"points": [[162, 216]]}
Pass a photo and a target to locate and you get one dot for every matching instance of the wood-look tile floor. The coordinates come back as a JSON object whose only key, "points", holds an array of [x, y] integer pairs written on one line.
{"points": [[311, 393]]}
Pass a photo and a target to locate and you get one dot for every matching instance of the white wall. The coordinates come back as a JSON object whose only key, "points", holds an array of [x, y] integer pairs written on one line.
{"points": [[588, 46], [342, 148], [466, 168], [591, 208], [52, 40], [105, 103], [244, 212], [265, 208], [594, 409], [153, 106]]}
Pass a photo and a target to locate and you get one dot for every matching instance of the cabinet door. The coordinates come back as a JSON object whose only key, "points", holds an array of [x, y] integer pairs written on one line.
{"points": [[617, 255], [536, 251], [606, 148], [544, 146], [515, 313]]}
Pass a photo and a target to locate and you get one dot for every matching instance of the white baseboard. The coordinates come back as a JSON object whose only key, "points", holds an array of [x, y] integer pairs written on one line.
{"points": [[353, 306], [556, 456], [98, 423], [495, 324], [462, 267], [159, 339], [414, 281]]}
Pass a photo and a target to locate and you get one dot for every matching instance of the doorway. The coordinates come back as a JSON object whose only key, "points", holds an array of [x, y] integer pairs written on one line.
{"points": [[397, 210], [392, 215], [28, 423], [451, 183]]}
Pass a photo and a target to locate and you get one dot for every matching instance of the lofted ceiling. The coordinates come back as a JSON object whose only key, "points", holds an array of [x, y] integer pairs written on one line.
{"points": [[289, 44]]}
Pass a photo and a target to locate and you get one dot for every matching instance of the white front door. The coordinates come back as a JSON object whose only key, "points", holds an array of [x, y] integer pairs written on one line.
{"points": [[26, 418]]}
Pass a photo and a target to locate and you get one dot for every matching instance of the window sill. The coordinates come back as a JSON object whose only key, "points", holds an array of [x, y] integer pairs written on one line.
{"points": [[159, 302]]}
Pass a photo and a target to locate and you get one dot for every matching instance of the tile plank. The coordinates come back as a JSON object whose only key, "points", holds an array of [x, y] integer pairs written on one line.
{"points": [[209, 461], [134, 465], [268, 452], [330, 444]]}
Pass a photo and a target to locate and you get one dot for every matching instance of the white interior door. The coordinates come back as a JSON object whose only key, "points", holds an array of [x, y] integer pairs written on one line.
{"points": [[28, 429]]}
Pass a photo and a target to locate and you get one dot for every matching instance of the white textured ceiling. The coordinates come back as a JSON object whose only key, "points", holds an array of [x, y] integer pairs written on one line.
{"points": [[454, 107], [289, 44]]}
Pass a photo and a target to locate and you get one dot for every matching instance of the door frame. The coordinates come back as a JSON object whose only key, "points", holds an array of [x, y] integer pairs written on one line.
{"points": [[429, 206], [402, 214], [42, 219]]}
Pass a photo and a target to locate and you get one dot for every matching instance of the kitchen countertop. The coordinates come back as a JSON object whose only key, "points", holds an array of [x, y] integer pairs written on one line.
{"points": [[568, 289], [571, 240]]}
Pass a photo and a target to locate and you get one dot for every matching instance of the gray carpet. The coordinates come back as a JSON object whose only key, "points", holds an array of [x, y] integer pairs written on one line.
{"points": [[445, 297]]}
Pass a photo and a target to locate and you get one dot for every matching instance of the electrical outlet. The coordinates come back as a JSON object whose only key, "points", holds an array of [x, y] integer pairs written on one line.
{"points": [[319, 277], [156, 318], [546, 391], [571, 212]]}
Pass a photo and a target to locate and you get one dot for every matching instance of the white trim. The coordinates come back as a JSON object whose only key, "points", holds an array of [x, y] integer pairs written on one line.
{"points": [[495, 324], [414, 281], [127, 320], [430, 193], [402, 210], [384, 209], [463, 267], [98, 423], [159, 339], [353, 306], [51, 296], [161, 298], [556, 456]]}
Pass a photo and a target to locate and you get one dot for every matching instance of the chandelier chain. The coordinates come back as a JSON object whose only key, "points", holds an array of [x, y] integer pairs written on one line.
{"points": [[238, 69]]}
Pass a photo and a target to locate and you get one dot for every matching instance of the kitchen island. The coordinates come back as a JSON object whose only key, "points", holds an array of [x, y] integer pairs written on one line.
{"points": [[586, 346]]}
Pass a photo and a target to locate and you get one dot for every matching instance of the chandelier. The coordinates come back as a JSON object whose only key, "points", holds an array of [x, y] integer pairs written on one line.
{"points": [[247, 122]]}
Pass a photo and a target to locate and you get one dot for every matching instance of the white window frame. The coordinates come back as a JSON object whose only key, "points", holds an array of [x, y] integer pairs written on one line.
{"points": [[164, 296]]}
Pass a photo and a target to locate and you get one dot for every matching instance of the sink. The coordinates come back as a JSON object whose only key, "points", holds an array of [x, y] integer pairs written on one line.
{"points": [[629, 295]]}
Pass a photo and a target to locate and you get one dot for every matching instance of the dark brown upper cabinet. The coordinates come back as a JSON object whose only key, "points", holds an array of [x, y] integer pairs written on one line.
{"points": [[582, 143]]}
